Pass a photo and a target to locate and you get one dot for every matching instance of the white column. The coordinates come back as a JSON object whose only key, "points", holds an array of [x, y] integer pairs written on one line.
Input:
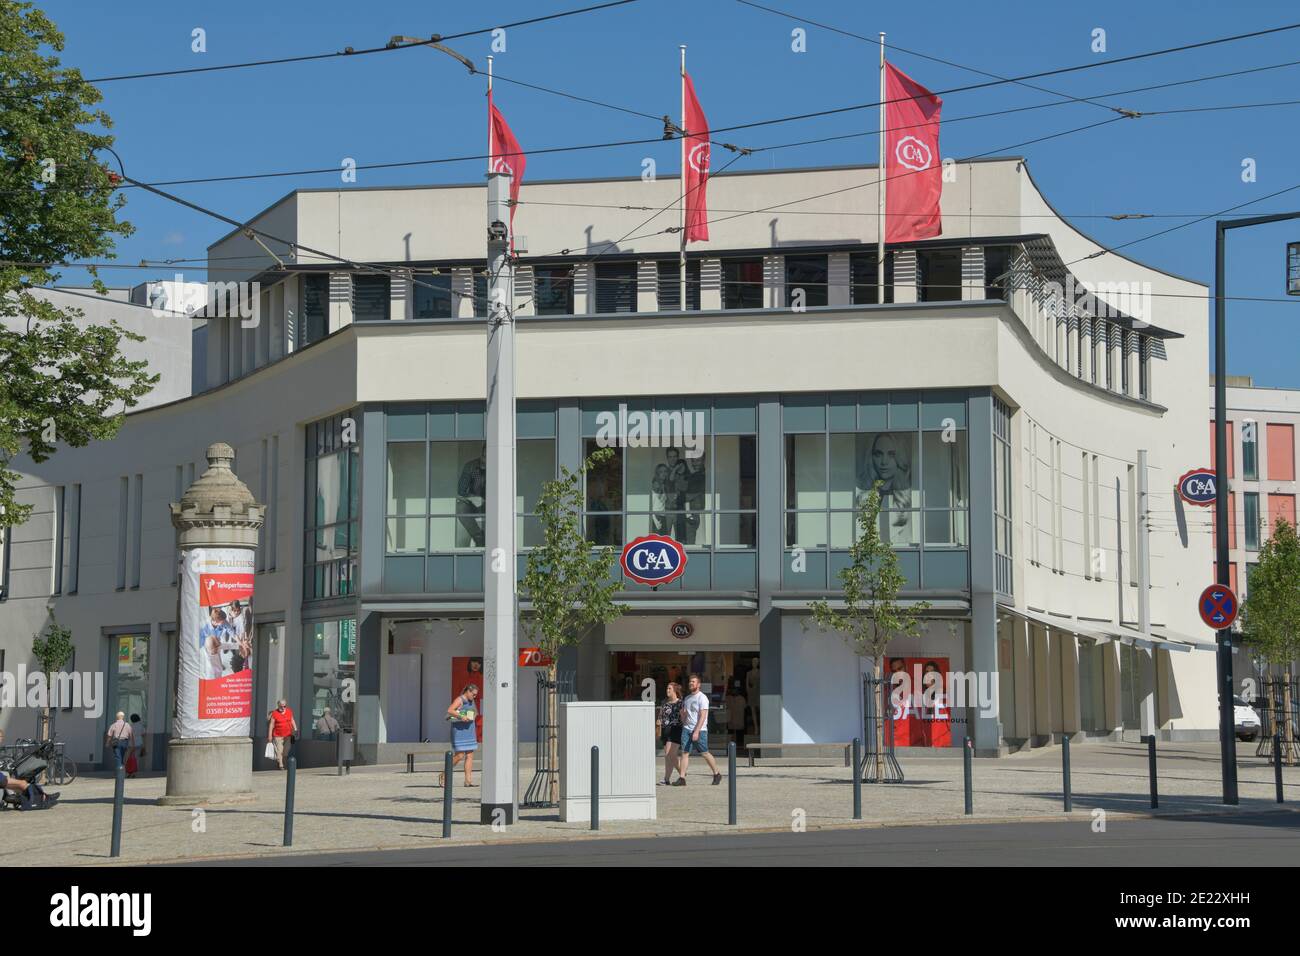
{"points": [[500, 609]]}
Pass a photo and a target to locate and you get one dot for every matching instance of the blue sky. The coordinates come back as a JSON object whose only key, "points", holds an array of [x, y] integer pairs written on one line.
{"points": [[413, 104]]}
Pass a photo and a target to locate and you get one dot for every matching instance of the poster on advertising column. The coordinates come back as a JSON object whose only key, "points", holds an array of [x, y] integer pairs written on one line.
{"points": [[216, 643]]}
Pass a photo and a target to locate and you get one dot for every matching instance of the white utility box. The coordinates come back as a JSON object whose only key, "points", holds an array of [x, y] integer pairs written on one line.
{"points": [[625, 734]]}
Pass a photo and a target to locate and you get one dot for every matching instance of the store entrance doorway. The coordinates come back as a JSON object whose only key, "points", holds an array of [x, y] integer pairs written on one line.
{"points": [[730, 679]]}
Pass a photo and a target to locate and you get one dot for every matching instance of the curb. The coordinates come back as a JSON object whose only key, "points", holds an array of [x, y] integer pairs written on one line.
{"points": [[586, 836]]}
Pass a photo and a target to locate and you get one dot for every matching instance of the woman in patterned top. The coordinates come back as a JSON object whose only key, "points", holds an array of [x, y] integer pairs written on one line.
{"points": [[670, 729]]}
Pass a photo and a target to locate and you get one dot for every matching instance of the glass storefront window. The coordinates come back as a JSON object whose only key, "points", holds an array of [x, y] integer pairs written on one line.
{"points": [[811, 275], [333, 506], [553, 290], [332, 659], [534, 465], [133, 676], [742, 283]]}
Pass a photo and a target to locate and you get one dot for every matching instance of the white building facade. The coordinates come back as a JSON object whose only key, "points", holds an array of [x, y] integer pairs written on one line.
{"points": [[1005, 423]]}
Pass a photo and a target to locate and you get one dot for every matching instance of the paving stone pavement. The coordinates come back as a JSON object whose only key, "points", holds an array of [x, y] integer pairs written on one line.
{"points": [[386, 807]]}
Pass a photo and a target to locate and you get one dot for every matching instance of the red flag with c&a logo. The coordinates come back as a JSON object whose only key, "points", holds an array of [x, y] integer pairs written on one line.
{"points": [[507, 156], [912, 165], [695, 170]]}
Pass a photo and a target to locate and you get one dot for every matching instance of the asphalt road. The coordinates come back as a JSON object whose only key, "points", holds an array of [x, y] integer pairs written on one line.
{"points": [[1239, 839]]}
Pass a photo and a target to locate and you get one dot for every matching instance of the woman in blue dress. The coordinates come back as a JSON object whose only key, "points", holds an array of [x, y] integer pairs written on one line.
{"points": [[464, 732]]}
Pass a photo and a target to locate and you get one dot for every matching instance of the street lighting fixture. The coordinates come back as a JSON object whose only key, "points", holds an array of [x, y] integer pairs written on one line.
{"points": [[1227, 721], [433, 44]]}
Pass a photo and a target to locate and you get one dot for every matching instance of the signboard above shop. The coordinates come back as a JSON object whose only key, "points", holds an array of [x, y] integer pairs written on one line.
{"points": [[653, 559], [1198, 487]]}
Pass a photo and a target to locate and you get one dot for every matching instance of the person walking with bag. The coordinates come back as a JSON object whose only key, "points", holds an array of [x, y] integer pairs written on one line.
{"points": [[670, 729], [281, 728], [119, 738], [464, 732]]}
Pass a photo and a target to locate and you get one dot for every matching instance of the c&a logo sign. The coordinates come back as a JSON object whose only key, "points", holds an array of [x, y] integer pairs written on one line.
{"points": [[653, 559]]}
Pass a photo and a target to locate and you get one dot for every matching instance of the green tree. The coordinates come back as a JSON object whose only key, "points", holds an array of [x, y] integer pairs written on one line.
{"points": [[52, 650], [1271, 615], [60, 382], [568, 582], [872, 615]]}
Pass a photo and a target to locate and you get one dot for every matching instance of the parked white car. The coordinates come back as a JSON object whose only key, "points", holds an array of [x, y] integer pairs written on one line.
{"points": [[1246, 720]]}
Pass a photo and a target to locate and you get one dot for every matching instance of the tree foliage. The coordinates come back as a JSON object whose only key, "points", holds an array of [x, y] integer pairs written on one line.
{"points": [[1271, 612], [53, 647], [566, 579], [60, 382], [872, 615]]}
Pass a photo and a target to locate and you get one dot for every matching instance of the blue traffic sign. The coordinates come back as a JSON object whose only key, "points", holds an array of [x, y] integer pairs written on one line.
{"points": [[1218, 606]]}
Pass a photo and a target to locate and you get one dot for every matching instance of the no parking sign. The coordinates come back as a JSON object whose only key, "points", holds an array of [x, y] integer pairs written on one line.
{"points": [[1218, 606]]}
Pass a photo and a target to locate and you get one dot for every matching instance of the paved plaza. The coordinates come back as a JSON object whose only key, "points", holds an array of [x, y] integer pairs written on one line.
{"points": [[385, 807]]}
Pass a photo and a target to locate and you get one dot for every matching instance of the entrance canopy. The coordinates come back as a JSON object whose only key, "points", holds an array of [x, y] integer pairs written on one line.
{"points": [[1103, 632]]}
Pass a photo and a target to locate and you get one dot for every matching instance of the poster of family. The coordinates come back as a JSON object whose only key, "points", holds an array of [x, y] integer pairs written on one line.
{"points": [[216, 660]]}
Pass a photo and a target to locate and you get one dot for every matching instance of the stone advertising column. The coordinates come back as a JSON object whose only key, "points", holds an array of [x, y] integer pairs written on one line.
{"points": [[209, 756]]}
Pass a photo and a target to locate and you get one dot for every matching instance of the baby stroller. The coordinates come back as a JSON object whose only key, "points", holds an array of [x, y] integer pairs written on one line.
{"points": [[28, 762]]}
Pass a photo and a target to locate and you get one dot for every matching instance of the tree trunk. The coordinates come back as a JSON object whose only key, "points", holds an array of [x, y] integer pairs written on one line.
{"points": [[1288, 724], [876, 672], [553, 730]]}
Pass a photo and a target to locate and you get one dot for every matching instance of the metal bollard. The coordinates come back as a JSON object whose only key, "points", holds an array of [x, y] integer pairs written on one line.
{"points": [[595, 788], [731, 784], [1151, 769], [288, 800], [1065, 772], [1277, 765], [338, 752], [447, 777], [857, 778], [410, 763], [967, 753], [119, 799]]}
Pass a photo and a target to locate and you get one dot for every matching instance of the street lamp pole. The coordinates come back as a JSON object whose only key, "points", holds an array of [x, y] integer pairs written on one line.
{"points": [[1227, 723]]}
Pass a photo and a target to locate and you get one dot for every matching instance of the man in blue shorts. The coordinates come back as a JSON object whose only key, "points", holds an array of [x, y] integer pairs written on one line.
{"points": [[695, 732]]}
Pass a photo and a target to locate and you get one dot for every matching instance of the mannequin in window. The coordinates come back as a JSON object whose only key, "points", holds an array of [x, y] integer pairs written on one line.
{"points": [[752, 690]]}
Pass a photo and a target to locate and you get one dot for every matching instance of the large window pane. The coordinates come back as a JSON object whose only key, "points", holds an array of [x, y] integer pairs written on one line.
{"points": [[553, 290], [742, 283], [404, 535], [332, 652], [535, 465], [847, 452], [809, 273], [944, 468], [605, 480], [431, 296], [616, 287], [670, 280], [407, 494], [331, 488], [314, 322], [939, 275], [458, 485], [369, 298], [735, 470], [864, 271], [945, 528], [737, 531], [806, 529], [805, 471]]}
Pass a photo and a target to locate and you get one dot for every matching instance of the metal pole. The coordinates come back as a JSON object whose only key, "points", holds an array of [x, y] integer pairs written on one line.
{"points": [[1151, 770], [966, 754], [289, 783], [1277, 765], [681, 212], [595, 788], [1147, 660], [338, 751], [119, 799], [1227, 725], [447, 779], [731, 783], [857, 778], [880, 189], [500, 618], [1065, 772]]}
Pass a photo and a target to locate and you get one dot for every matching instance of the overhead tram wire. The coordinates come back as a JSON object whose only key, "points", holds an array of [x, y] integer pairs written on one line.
{"points": [[347, 52], [332, 170], [1091, 101], [1016, 79]]}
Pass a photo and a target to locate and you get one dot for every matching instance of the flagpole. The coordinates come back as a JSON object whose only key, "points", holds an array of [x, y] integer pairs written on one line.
{"points": [[880, 178], [489, 93], [681, 212]]}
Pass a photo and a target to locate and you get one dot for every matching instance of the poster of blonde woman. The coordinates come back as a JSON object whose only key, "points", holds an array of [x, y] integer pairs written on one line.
{"points": [[885, 462], [216, 666]]}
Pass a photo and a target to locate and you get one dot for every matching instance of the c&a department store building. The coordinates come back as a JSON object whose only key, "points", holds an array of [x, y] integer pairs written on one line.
{"points": [[1004, 424]]}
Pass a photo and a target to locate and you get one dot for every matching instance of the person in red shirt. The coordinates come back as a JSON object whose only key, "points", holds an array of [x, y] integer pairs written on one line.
{"points": [[281, 729]]}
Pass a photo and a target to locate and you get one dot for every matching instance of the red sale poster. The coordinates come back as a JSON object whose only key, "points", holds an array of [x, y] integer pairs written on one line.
{"points": [[918, 689]]}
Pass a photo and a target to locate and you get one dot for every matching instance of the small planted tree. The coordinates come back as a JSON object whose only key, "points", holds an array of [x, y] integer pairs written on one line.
{"points": [[569, 584], [52, 650], [1271, 615], [872, 615]]}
